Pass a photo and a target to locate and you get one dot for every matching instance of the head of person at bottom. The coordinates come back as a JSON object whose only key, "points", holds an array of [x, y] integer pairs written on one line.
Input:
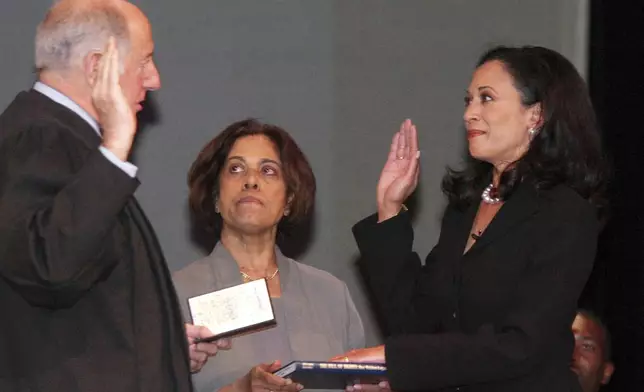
{"points": [[249, 183], [528, 117], [591, 359]]}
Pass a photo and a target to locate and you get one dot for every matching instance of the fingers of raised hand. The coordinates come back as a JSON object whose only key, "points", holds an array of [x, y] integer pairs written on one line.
{"points": [[98, 93], [413, 140], [393, 150], [405, 143], [402, 146], [413, 170], [109, 78], [107, 90]]}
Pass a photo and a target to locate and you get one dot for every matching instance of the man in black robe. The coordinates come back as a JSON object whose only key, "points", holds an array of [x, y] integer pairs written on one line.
{"points": [[87, 300]]}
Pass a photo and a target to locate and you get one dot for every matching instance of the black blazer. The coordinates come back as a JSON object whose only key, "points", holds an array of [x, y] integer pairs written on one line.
{"points": [[495, 319], [87, 300]]}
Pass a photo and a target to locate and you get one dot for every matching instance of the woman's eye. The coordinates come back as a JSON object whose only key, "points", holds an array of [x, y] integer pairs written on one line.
{"points": [[235, 169], [588, 346]]}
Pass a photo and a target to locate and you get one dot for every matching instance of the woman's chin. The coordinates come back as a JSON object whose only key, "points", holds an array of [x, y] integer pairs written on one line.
{"points": [[476, 153], [250, 225]]}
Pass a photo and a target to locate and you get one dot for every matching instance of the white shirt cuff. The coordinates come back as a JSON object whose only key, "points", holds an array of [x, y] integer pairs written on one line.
{"points": [[127, 167]]}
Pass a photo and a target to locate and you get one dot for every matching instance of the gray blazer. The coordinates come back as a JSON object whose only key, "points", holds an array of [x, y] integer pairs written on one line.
{"points": [[316, 317]]}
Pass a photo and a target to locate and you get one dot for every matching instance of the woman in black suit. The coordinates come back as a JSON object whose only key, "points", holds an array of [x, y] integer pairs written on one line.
{"points": [[492, 307]]}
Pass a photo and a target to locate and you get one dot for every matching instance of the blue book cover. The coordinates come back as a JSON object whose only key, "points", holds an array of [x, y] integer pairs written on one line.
{"points": [[333, 375]]}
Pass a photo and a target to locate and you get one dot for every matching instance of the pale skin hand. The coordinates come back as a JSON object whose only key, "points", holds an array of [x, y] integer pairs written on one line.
{"points": [[115, 115], [261, 379], [365, 355], [399, 177], [200, 352]]}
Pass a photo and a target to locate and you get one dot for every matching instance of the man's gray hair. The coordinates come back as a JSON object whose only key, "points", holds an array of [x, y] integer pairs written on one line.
{"points": [[71, 31]]}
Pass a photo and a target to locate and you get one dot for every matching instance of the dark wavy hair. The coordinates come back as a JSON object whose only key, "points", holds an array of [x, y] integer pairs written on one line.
{"points": [[567, 147], [203, 177]]}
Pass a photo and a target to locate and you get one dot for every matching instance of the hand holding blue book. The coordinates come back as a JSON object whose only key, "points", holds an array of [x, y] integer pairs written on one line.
{"points": [[333, 375]]}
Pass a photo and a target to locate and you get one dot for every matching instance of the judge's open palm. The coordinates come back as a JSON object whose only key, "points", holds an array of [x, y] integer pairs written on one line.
{"points": [[115, 115], [399, 177]]}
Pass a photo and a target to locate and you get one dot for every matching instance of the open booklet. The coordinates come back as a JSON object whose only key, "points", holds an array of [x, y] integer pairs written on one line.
{"points": [[234, 310], [333, 375]]}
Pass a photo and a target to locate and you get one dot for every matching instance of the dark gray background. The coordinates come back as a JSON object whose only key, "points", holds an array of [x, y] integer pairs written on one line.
{"points": [[339, 75]]}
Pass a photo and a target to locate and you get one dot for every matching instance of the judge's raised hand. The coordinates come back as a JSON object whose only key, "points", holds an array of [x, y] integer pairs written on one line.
{"points": [[200, 352], [115, 114], [399, 177], [261, 379]]}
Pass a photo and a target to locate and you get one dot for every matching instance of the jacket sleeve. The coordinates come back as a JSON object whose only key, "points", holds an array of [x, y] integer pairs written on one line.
{"points": [[401, 286], [58, 204], [546, 299]]}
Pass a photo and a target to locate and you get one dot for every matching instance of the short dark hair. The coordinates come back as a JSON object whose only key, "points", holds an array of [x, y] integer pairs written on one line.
{"points": [[203, 177], [566, 149], [592, 316]]}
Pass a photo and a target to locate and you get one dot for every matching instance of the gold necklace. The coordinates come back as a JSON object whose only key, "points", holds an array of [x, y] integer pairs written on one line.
{"points": [[248, 278]]}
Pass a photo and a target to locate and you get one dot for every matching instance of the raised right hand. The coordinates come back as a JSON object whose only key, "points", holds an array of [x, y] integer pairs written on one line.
{"points": [[115, 115], [261, 379], [399, 177]]}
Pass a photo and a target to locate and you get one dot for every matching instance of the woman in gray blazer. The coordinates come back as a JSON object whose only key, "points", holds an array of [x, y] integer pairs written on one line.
{"points": [[247, 185]]}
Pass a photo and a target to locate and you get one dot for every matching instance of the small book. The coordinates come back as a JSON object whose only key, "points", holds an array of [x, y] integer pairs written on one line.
{"points": [[333, 375], [234, 310]]}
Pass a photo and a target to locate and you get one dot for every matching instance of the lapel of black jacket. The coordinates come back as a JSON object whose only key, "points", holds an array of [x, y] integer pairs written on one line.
{"points": [[523, 204], [457, 229]]}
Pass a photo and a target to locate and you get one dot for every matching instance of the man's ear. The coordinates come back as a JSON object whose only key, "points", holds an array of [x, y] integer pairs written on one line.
{"points": [[609, 368], [91, 63]]}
